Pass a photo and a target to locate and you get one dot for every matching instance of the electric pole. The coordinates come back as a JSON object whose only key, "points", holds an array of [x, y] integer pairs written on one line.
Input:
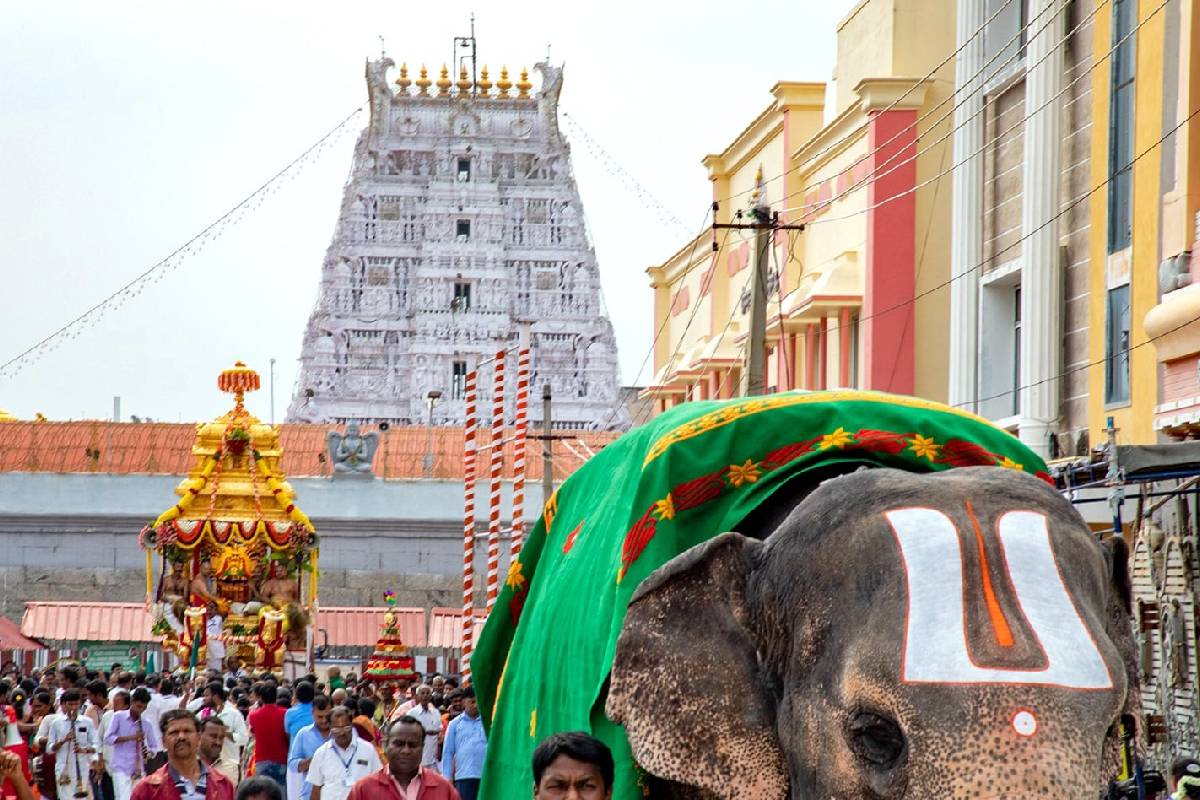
{"points": [[547, 446], [765, 223], [756, 353]]}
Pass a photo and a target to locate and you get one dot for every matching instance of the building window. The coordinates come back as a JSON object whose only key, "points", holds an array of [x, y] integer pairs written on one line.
{"points": [[464, 170], [1120, 127], [854, 356], [462, 230], [458, 380], [1000, 344], [1016, 348], [1004, 36], [1116, 347], [462, 297]]}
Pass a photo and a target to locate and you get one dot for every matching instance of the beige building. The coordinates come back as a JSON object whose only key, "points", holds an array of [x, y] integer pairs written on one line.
{"points": [[863, 164], [1019, 314]]}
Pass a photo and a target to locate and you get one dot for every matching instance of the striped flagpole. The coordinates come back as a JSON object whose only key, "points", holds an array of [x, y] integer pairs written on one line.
{"points": [[469, 472], [497, 452], [521, 424]]}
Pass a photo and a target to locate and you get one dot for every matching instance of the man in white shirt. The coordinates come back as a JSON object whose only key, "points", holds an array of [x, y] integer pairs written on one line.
{"points": [[120, 702], [427, 714], [159, 703], [236, 732], [76, 746], [342, 761]]}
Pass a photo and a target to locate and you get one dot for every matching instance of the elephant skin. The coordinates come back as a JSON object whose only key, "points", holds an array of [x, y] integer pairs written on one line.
{"points": [[781, 667]]}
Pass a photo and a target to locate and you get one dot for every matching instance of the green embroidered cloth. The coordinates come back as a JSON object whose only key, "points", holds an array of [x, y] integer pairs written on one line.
{"points": [[685, 477]]}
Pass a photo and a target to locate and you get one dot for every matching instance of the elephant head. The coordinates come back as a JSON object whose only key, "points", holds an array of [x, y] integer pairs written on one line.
{"points": [[954, 635]]}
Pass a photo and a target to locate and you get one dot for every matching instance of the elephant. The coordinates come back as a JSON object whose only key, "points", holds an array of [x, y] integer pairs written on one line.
{"points": [[885, 635]]}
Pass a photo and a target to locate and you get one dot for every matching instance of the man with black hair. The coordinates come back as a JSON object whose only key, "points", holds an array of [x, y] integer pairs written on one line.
{"points": [[68, 676], [259, 788], [132, 742], [300, 714], [159, 704], [236, 733], [270, 737], [403, 777], [304, 745], [212, 743], [75, 745], [342, 761], [572, 765], [465, 747], [185, 776], [121, 683]]}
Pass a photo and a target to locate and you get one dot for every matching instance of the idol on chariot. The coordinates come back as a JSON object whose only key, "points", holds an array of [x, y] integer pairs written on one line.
{"points": [[231, 568]]}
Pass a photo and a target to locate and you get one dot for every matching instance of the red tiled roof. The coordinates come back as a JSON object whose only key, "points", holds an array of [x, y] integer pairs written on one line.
{"points": [[166, 448], [87, 622], [349, 626], [445, 627], [12, 639]]}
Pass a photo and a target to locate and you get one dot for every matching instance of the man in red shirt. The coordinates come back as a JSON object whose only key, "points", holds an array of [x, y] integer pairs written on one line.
{"points": [[184, 777], [270, 737], [403, 778]]}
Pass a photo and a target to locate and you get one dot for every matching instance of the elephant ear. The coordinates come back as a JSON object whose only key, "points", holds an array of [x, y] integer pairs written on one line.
{"points": [[1119, 628], [686, 680]]}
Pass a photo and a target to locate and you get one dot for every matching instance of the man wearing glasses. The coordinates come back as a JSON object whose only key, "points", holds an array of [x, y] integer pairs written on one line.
{"points": [[342, 761]]}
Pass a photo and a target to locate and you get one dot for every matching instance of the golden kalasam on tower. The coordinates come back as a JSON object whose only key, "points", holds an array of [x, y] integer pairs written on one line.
{"points": [[226, 565]]}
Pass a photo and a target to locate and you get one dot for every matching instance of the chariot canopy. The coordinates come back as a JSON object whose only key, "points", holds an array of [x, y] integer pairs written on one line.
{"points": [[231, 567]]}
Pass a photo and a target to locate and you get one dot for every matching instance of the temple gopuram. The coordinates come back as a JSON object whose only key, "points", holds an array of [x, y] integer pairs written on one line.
{"points": [[231, 567]]}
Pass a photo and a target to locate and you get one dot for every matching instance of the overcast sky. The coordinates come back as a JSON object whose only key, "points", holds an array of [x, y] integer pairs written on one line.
{"points": [[126, 128]]}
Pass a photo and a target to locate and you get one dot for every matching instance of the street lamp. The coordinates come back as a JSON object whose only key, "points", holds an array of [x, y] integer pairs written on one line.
{"points": [[430, 401]]}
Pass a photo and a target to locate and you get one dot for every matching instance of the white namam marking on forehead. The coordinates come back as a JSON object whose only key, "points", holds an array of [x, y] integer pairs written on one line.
{"points": [[936, 641]]}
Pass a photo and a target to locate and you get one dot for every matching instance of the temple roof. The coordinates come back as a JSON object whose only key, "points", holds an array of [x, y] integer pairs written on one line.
{"points": [[165, 448]]}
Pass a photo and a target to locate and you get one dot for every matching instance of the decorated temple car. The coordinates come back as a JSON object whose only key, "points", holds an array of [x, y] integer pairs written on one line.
{"points": [[390, 663], [231, 568]]}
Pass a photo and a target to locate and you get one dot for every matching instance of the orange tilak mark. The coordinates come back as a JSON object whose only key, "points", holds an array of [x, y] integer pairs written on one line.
{"points": [[999, 624]]}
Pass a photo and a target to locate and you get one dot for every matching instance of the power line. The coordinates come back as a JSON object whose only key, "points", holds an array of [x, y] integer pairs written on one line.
{"points": [[641, 192], [862, 128], [1064, 210], [135, 286], [666, 318], [984, 147], [820, 205]]}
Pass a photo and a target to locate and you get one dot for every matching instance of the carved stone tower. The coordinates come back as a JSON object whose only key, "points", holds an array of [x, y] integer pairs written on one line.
{"points": [[460, 226]]}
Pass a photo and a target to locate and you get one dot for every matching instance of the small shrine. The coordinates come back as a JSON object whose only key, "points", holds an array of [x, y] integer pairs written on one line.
{"points": [[226, 565], [390, 661]]}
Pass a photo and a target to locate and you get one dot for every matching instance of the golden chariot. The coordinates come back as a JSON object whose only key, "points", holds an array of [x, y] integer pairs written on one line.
{"points": [[231, 568]]}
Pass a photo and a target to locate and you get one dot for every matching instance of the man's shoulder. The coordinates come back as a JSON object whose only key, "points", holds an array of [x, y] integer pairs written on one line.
{"points": [[219, 786], [431, 778]]}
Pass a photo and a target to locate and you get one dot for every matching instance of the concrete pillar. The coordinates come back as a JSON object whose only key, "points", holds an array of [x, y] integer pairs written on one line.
{"points": [[1041, 274], [966, 228]]}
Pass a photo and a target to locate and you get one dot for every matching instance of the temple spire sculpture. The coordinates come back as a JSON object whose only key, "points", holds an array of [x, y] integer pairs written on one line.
{"points": [[461, 230]]}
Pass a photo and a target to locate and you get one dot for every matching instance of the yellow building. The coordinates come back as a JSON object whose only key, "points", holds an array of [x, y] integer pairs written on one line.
{"points": [[1165, 191], [859, 164], [1143, 222]]}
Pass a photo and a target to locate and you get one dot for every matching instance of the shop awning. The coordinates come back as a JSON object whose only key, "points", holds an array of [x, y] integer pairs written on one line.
{"points": [[87, 622], [446, 628], [11, 637]]}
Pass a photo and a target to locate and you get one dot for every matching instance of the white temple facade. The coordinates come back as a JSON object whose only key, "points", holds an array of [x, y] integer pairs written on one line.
{"points": [[461, 232]]}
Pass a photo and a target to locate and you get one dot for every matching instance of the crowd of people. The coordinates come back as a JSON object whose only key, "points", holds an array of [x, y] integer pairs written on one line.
{"points": [[76, 734]]}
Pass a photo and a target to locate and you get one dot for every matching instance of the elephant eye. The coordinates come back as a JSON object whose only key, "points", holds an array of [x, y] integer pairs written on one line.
{"points": [[875, 739]]}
